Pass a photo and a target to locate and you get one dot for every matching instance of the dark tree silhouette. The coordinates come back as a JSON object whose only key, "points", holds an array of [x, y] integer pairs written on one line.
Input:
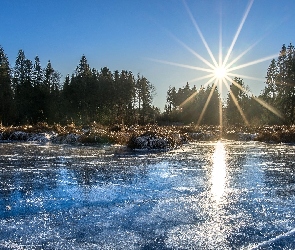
{"points": [[6, 94]]}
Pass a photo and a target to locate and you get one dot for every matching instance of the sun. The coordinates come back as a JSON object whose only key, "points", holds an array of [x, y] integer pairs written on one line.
{"points": [[220, 73], [222, 69]]}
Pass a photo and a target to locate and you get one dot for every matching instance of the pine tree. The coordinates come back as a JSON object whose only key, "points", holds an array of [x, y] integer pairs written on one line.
{"points": [[83, 69], [6, 94], [270, 91], [145, 93], [23, 87], [67, 106], [289, 100], [124, 85], [280, 89], [38, 93], [211, 115], [236, 103], [281, 99], [37, 74], [170, 100], [51, 92], [82, 75]]}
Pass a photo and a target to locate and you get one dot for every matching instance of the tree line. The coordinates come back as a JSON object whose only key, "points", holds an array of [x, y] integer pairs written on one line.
{"points": [[274, 106], [30, 94]]}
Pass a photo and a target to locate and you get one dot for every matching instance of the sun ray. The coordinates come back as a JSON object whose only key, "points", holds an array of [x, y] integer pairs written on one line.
{"points": [[238, 32], [188, 99], [239, 107], [206, 105], [192, 51], [242, 54], [269, 107], [200, 34], [220, 41], [221, 82], [211, 80], [219, 73], [237, 104], [195, 93], [245, 76], [260, 101], [252, 63], [238, 85], [181, 65], [200, 78]]}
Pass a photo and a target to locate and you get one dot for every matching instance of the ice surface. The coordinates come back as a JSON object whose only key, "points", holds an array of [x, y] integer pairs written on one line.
{"points": [[83, 197]]}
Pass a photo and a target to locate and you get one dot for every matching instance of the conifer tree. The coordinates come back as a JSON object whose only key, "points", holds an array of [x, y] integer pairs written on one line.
{"points": [[23, 87], [289, 98], [38, 93], [270, 91], [236, 102], [145, 92], [280, 89], [51, 89], [170, 100], [6, 94], [211, 115]]}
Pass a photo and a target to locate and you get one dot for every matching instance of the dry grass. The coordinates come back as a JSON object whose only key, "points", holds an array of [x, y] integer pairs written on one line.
{"points": [[175, 135]]}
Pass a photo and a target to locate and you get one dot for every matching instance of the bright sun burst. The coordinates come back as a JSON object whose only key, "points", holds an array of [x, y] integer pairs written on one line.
{"points": [[221, 73]]}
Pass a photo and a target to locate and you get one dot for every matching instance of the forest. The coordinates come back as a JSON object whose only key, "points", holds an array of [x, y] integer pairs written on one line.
{"points": [[30, 94]]}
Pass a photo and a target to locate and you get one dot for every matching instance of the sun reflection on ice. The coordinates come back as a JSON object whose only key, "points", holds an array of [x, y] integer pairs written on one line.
{"points": [[218, 174]]}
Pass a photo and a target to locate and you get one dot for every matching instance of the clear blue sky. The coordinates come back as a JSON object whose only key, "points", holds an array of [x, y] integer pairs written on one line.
{"points": [[124, 34]]}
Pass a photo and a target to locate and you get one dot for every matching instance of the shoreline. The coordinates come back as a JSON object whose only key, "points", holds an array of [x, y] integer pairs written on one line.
{"points": [[143, 137]]}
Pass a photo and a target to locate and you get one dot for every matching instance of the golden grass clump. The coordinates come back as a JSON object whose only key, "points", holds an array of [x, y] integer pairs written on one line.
{"points": [[157, 136]]}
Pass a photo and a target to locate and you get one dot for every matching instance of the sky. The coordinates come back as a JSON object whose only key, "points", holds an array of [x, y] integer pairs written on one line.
{"points": [[155, 38]]}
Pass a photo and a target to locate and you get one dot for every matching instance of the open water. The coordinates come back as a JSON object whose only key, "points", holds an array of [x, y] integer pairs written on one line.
{"points": [[205, 195]]}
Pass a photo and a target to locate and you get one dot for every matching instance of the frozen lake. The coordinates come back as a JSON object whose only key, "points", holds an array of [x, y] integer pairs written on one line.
{"points": [[205, 195]]}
